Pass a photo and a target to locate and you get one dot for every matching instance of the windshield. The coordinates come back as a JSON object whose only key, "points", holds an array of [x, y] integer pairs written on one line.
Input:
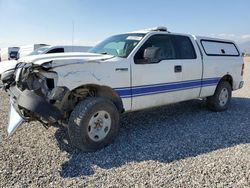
{"points": [[118, 45], [39, 51]]}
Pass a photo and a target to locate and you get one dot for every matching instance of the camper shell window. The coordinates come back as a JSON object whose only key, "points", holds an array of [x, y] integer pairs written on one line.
{"points": [[219, 48]]}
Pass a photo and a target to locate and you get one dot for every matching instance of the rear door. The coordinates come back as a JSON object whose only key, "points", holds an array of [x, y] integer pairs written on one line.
{"points": [[189, 55]]}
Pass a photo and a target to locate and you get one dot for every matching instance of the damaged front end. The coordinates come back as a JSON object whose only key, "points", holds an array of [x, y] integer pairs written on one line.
{"points": [[34, 95]]}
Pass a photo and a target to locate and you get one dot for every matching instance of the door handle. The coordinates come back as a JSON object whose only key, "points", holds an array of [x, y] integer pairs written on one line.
{"points": [[121, 69], [177, 68]]}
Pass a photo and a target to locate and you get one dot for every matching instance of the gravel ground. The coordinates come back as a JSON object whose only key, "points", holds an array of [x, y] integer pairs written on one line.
{"points": [[181, 145]]}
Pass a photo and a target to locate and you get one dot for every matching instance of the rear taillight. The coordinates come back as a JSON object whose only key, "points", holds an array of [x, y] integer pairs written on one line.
{"points": [[242, 69]]}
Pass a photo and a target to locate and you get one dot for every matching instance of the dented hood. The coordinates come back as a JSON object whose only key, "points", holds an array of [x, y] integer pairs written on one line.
{"points": [[59, 58]]}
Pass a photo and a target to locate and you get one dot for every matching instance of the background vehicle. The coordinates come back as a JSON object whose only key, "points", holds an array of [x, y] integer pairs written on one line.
{"points": [[126, 72], [27, 49], [10, 53], [59, 49]]}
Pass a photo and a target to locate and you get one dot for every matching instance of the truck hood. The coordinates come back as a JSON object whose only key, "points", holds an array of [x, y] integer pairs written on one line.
{"points": [[57, 57]]}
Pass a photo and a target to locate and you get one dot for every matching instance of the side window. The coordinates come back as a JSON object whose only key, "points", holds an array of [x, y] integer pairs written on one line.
{"points": [[56, 50], [164, 42], [185, 48]]}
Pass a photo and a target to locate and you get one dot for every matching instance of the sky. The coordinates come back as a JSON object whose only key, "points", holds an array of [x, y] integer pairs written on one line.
{"points": [[25, 22]]}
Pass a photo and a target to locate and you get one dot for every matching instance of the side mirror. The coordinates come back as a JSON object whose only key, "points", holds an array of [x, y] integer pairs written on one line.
{"points": [[152, 54]]}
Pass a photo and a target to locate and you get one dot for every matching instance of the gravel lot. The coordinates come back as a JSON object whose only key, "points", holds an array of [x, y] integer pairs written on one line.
{"points": [[181, 145]]}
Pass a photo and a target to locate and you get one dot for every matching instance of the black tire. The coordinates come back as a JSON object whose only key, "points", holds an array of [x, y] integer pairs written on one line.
{"points": [[79, 123], [214, 103]]}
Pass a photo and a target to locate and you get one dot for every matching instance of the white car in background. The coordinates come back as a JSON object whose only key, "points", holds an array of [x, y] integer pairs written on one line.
{"points": [[126, 72], [59, 49], [27, 49]]}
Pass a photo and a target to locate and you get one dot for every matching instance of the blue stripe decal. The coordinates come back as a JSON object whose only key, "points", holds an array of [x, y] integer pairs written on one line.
{"points": [[135, 91]]}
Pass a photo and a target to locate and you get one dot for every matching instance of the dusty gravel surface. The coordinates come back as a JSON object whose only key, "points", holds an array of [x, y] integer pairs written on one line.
{"points": [[181, 145]]}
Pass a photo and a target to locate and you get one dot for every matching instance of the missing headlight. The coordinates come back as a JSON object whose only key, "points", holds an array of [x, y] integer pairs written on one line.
{"points": [[50, 83]]}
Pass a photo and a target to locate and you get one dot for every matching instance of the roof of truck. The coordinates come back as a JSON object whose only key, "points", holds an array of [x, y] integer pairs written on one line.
{"points": [[213, 39], [164, 30], [148, 30]]}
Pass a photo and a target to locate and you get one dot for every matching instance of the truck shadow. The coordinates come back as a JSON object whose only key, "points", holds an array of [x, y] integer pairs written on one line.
{"points": [[164, 134]]}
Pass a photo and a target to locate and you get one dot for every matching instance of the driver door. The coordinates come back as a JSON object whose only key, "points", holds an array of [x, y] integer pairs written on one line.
{"points": [[156, 83]]}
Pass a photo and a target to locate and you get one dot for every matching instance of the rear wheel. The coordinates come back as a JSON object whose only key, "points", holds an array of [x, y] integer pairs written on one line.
{"points": [[221, 98], [93, 124]]}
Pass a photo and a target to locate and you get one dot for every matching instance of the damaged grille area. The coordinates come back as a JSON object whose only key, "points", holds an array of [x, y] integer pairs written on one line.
{"points": [[37, 96], [41, 81], [35, 93]]}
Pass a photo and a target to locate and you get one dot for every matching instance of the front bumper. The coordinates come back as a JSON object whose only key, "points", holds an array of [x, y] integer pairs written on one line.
{"points": [[35, 105], [15, 120]]}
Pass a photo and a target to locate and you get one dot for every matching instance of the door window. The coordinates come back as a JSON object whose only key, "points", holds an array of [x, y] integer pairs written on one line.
{"points": [[164, 42]]}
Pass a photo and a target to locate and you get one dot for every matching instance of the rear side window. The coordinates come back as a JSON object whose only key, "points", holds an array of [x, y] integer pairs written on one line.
{"points": [[219, 48], [56, 50], [184, 47]]}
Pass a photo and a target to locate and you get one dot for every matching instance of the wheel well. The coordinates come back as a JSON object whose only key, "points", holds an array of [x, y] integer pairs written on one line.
{"points": [[228, 78], [99, 91]]}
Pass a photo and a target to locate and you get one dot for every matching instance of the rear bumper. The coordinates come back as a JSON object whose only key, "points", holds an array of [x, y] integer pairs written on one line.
{"points": [[241, 84], [237, 84]]}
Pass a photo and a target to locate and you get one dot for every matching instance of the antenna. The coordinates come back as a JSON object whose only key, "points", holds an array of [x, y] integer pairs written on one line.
{"points": [[73, 32]]}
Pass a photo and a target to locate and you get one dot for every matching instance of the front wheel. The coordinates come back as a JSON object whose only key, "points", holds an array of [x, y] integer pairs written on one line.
{"points": [[221, 98], [93, 124]]}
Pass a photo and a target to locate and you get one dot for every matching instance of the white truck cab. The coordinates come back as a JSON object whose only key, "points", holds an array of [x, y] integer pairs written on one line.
{"points": [[10, 53], [126, 72]]}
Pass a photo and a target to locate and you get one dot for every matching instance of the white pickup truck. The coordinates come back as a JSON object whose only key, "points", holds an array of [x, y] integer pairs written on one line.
{"points": [[126, 72]]}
